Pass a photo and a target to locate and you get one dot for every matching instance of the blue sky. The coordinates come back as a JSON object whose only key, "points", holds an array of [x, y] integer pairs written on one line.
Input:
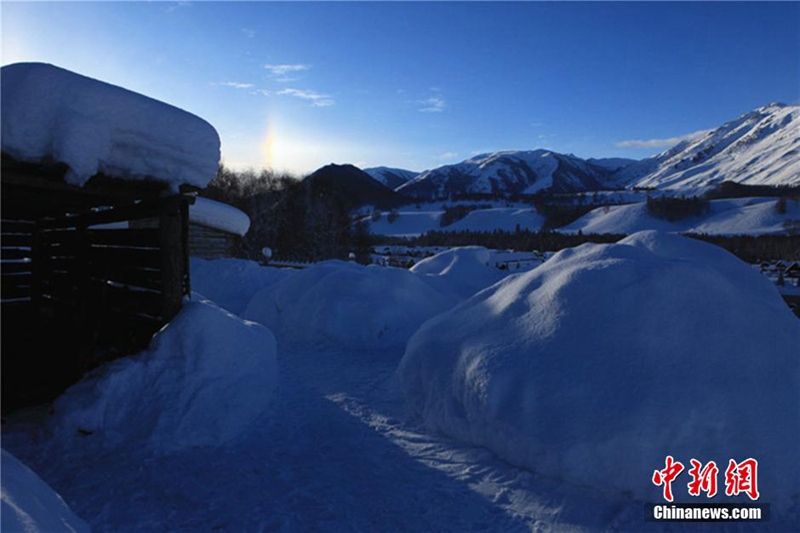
{"points": [[297, 85]]}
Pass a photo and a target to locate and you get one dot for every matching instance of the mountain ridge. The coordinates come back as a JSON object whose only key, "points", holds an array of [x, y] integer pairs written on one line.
{"points": [[761, 147]]}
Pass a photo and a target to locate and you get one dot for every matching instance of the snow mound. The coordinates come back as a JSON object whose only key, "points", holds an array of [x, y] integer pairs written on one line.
{"points": [[460, 271], [205, 378], [53, 114], [607, 358], [219, 216], [335, 303], [30, 505], [231, 283]]}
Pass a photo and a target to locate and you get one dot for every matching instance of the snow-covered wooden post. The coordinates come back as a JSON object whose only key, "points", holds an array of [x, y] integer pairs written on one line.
{"points": [[173, 230]]}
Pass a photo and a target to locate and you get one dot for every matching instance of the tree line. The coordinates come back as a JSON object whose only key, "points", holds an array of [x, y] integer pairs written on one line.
{"points": [[296, 219], [305, 221]]}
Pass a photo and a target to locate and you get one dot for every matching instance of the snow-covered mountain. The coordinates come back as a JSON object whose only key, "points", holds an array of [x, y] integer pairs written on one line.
{"points": [[509, 172], [391, 177], [758, 148], [612, 163]]}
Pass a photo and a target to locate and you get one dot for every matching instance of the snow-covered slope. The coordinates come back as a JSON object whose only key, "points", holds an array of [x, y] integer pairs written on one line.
{"points": [[53, 114], [739, 216], [758, 148], [508, 172], [612, 163], [30, 505], [606, 359], [391, 177], [412, 222]]}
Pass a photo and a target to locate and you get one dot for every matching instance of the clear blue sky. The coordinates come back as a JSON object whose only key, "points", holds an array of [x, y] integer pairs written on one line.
{"points": [[296, 85]]}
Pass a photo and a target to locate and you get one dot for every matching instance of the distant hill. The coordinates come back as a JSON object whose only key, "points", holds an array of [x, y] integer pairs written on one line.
{"points": [[758, 148], [761, 147], [353, 186], [508, 173], [612, 163], [391, 177]]}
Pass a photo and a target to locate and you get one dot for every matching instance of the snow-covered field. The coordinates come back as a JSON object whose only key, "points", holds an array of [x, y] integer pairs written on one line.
{"points": [[414, 221], [741, 216], [543, 401]]}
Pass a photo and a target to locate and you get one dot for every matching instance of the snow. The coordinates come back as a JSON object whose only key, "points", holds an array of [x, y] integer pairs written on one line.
{"points": [[53, 114], [340, 450], [597, 365], [415, 222], [460, 271], [741, 216], [206, 377], [408, 223], [391, 177], [758, 148], [505, 171], [335, 303], [231, 283], [219, 216], [30, 505], [503, 218]]}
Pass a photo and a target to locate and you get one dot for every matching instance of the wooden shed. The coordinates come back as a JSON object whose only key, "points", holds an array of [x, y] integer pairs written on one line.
{"points": [[78, 287], [93, 262], [216, 230]]}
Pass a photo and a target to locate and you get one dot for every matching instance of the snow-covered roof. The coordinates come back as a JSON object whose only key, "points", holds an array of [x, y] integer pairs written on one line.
{"points": [[49, 113], [219, 216]]}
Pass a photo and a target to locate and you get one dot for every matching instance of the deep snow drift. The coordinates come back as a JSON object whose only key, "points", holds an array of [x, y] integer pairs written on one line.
{"points": [[460, 271], [335, 303], [95, 127], [607, 358], [205, 378], [30, 505], [231, 283]]}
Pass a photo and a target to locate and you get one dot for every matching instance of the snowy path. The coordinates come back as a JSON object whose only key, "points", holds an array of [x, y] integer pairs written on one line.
{"points": [[341, 454]]}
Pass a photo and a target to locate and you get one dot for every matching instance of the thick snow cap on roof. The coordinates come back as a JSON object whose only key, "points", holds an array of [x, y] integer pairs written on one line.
{"points": [[219, 216], [53, 114], [606, 359]]}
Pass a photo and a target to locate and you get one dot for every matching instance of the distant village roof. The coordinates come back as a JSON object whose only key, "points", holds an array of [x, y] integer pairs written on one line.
{"points": [[53, 115]]}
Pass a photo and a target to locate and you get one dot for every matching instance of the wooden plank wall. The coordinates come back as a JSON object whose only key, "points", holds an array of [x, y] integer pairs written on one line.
{"points": [[74, 295], [210, 243], [16, 261]]}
